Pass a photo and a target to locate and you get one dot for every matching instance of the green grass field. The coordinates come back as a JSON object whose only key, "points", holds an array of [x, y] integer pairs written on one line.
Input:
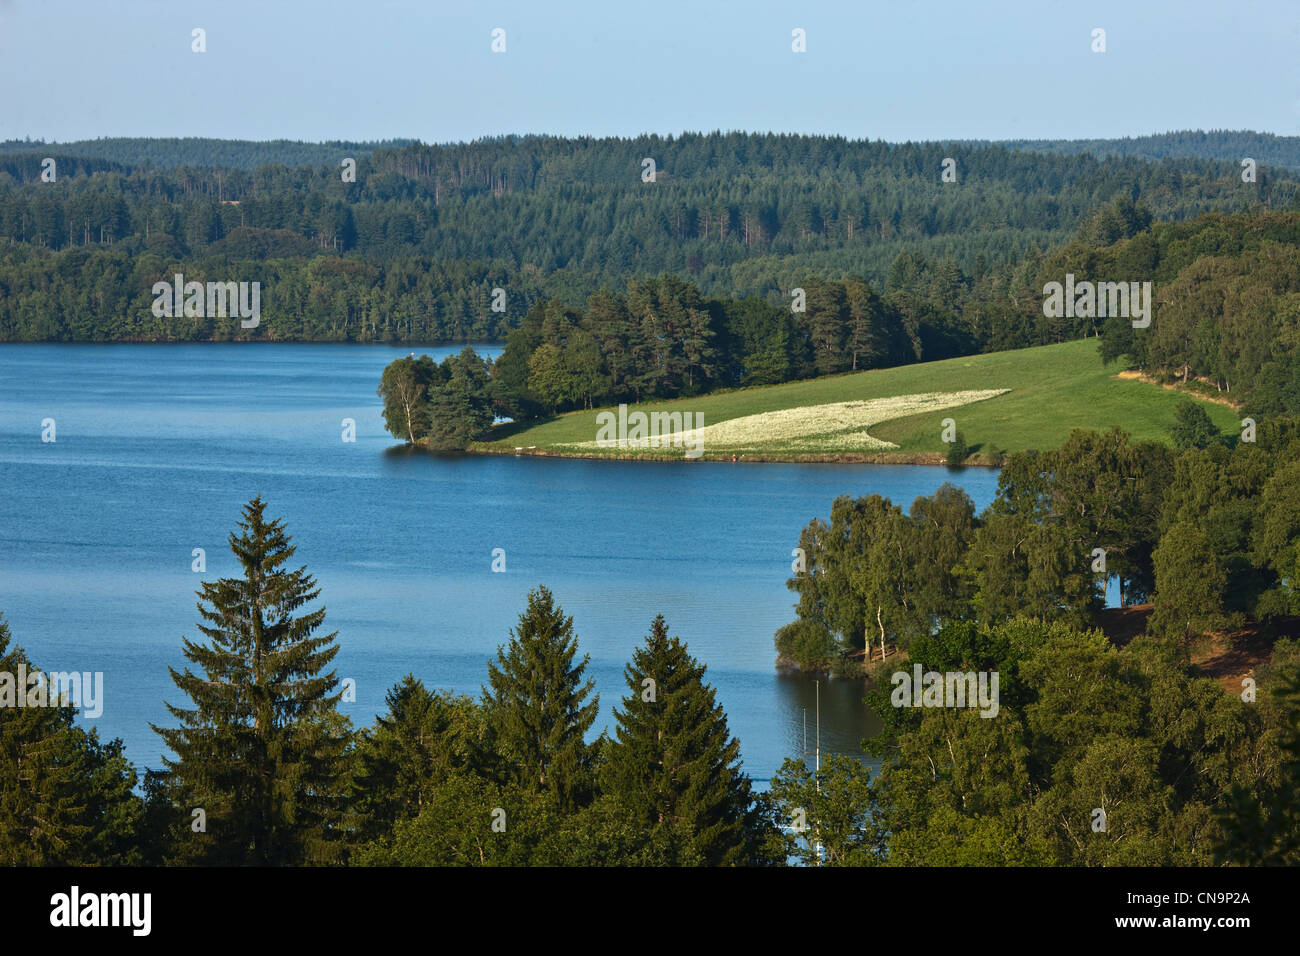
{"points": [[1051, 390]]}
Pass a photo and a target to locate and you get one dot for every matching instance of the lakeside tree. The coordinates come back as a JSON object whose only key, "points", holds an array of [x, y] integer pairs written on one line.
{"points": [[877, 575], [958, 451], [538, 707], [673, 763], [262, 751], [403, 386], [460, 408], [442, 406]]}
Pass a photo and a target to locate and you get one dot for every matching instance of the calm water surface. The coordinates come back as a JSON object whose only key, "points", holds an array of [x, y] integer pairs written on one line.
{"points": [[159, 447]]}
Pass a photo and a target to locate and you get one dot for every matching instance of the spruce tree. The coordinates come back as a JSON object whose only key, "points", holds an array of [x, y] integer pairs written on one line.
{"points": [[674, 764], [261, 752], [537, 705]]}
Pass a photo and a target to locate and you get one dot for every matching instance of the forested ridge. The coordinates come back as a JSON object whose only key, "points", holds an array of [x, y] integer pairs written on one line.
{"points": [[539, 217], [1231, 145], [201, 151]]}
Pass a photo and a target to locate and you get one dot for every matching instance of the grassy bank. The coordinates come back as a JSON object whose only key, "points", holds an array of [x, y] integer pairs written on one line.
{"points": [[1002, 402]]}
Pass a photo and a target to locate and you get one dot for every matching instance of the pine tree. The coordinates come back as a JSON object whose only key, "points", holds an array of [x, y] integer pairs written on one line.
{"points": [[262, 750], [674, 764], [536, 705]]}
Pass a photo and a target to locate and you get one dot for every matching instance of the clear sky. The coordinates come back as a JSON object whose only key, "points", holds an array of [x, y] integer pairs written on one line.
{"points": [[887, 69]]}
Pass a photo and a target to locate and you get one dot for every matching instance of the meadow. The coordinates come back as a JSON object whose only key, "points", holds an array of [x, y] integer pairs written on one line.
{"points": [[1000, 403]]}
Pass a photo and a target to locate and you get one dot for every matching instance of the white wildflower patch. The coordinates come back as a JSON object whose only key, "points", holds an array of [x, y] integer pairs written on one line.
{"points": [[839, 426]]}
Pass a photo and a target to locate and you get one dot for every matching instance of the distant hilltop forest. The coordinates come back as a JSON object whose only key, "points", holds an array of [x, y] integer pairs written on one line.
{"points": [[455, 243], [203, 151], [1228, 145]]}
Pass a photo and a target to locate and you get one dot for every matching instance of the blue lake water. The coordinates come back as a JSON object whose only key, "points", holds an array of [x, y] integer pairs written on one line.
{"points": [[158, 448]]}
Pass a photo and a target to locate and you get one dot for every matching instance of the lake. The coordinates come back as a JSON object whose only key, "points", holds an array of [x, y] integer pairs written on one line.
{"points": [[158, 447]]}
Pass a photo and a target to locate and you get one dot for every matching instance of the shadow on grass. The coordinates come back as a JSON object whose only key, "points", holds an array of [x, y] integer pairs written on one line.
{"points": [[507, 429]]}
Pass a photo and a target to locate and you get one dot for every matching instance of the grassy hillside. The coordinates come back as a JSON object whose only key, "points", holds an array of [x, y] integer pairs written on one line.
{"points": [[1048, 391]]}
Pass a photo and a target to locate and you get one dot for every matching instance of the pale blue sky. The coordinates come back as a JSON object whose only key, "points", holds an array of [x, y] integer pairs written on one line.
{"points": [[897, 70]]}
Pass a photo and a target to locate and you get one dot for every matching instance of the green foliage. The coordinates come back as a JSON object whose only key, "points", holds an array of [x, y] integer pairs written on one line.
{"points": [[65, 798], [404, 387], [1261, 818], [958, 450], [1193, 427], [401, 760], [673, 762], [807, 644], [876, 574], [1096, 757], [471, 822], [1229, 307], [829, 815], [537, 706], [1189, 584], [459, 406], [263, 750], [444, 407]]}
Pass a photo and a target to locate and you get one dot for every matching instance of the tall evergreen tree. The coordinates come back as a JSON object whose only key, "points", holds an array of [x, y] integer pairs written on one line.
{"points": [[262, 751], [537, 705], [674, 763]]}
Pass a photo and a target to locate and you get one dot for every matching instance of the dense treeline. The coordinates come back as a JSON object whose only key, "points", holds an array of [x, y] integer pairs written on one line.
{"points": [[1228, 308], [1228, 145], [1209, 534], [266, 771], [660, 339], [100, 295], [738, 214], [1094, 754]]}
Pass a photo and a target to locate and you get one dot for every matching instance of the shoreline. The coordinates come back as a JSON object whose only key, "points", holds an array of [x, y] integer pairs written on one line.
{"points": [[933, 459]]}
